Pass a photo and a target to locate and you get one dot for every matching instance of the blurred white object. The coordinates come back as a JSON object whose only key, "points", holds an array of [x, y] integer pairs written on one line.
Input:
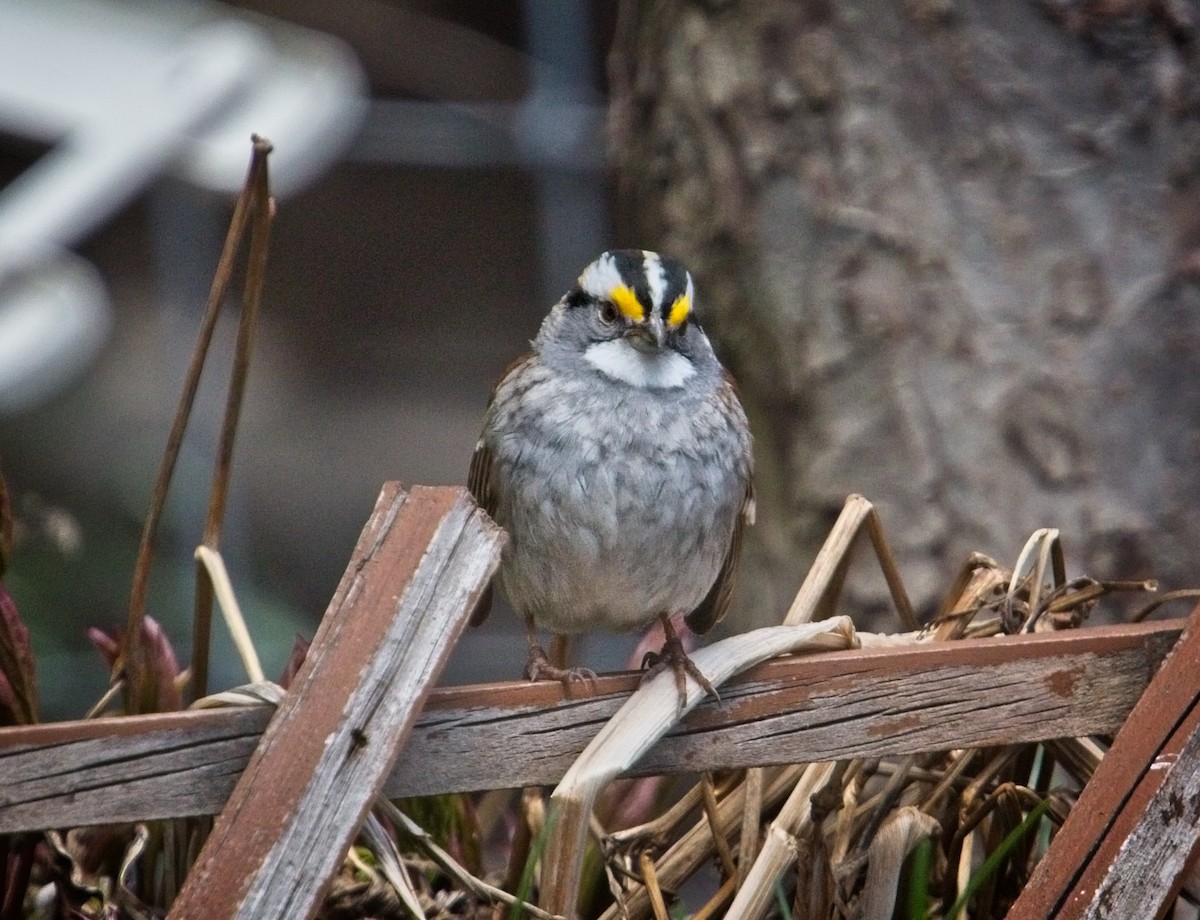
{"points": [[54, 318], [124, 92]]}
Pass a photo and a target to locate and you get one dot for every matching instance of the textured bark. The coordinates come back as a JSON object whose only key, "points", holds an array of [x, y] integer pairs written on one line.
{"points": [[950, 252]]}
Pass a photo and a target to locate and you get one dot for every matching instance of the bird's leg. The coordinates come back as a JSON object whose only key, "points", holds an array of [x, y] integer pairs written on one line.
{"points": [[674, 655], [540, 666], [560, 650]]}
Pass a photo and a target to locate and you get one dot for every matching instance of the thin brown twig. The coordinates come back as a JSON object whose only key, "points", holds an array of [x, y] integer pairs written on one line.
{"points": [[260, 234], [709, 797], [1182, 594], [891, 572], [650, 878], [751, 823], [129, 664]]}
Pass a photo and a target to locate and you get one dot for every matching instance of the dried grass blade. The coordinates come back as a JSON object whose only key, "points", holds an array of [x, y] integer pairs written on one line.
{"points": [[694, 847], [212, 568], [813, 598], [644, 718], [448, 864], [751, 823], [390, 865], [709, 797], [780, 847], [897, 836]]}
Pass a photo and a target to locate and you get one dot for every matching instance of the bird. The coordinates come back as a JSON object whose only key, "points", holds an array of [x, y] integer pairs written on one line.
{"points": [[617, 456]]}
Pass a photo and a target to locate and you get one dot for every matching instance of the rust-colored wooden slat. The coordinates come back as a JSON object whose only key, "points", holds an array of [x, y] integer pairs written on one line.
{"points": [[419, 567], [1147, 865], [1065, 881], [833, 706], [826, 707]]}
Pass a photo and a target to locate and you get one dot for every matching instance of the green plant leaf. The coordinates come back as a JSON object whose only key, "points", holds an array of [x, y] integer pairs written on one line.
{"points": [[918, 879], [997, 857]]}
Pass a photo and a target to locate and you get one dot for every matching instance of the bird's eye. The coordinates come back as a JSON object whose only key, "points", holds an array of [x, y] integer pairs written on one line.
{"points": [[608, 312]]}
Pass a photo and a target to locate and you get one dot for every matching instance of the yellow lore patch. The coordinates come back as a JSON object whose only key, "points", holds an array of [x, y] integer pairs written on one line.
{"points": [[679, 310], [627, 302]]}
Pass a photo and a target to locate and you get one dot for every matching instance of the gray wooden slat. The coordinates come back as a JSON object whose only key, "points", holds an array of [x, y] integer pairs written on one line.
{"points": [[825, 707]]}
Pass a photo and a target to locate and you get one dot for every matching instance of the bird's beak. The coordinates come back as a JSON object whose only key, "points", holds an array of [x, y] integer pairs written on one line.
{"points": [[650, 335]]}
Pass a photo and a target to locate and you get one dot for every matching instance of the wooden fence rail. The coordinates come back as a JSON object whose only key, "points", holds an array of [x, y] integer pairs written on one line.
{"points": [[828, 707]]}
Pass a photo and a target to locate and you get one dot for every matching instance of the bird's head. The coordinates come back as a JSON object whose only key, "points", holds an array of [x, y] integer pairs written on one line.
{"points": [[630, 317]]}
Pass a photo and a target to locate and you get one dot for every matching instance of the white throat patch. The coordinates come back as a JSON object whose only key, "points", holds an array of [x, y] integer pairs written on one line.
{"points": [[664, 370]]}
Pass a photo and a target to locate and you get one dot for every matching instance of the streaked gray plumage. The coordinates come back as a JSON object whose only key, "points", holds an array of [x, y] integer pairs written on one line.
{"points": [[618, 458]]}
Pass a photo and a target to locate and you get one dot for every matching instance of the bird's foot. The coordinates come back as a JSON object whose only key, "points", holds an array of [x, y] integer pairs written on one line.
{"points": [[538, 666], [676, 658]]}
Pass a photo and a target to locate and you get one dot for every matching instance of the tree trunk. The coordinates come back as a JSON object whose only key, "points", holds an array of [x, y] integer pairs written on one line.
{"points": [[950, 251]]}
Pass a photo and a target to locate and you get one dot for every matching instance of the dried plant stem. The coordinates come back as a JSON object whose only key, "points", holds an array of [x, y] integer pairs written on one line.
{"points": [[263, 214], [818, 594], [644, 718], [213, 567], [710, 812], [948, 779], [695, 846], [978, 580], [1078, 756], [780, 847], [843, 832], [450, 865], [650, 880], [105, 698], [751, 823], [1182, 594], [886, 798], [129, 664], [662, 826], [1048, 547], [531, 812]]}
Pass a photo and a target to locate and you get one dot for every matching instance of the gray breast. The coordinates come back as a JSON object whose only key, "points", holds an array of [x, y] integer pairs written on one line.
{"points": [[620, 502]]}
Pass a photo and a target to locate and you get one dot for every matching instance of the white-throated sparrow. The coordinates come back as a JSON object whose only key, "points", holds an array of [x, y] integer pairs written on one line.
{"points": [[618, 458]]}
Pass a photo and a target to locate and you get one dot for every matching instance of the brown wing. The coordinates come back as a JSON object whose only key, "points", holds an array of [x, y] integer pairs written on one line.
{"points": [[479, 481], [716, 603]]}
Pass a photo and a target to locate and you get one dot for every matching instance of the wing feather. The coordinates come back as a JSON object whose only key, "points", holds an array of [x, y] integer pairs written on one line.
{"points": [[479, 482], [716, 603]]}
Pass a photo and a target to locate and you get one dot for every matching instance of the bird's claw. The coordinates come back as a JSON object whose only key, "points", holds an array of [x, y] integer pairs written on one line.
{"points": [[538, 666], [674, 657]]}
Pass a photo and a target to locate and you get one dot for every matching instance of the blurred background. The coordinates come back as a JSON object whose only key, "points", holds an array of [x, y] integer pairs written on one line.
{"points": [[949, 250], [440, 174]]}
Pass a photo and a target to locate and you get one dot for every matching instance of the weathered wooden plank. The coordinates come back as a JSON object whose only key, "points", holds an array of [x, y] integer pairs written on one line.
{"points": [[828, 707], [1146, 873], [865, 703], [119, 770], [1065, 882], [420, 565]]}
